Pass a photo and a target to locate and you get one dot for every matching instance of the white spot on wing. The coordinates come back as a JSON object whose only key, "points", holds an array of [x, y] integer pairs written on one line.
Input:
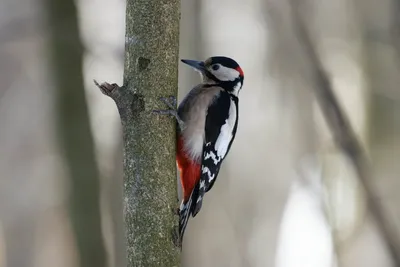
{"points": [[207, 170], [214, 157], [202, 183], [199, 199], [225, 136], [194, 144]]}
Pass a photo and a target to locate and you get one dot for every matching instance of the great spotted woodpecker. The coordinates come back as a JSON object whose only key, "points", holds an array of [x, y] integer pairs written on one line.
{"points": [[208, 120]]}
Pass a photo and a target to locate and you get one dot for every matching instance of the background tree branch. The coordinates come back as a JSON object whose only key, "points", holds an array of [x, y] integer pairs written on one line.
{"points": [[74, 131], [344, 135], [151, 71]]}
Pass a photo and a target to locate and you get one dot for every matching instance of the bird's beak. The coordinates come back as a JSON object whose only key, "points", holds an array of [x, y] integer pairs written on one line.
{"points": [[198, 65]]}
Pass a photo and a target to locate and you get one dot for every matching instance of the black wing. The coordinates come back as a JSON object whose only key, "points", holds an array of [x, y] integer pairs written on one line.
{"points": [[217, 143], [231, 141]]}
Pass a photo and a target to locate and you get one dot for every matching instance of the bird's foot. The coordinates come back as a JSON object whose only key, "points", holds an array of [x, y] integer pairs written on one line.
{"points": [[169, 101], [172, 111], [175, 211]]}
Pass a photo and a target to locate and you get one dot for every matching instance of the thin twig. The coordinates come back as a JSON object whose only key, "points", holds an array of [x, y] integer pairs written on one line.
{"points": [[344, 135]]}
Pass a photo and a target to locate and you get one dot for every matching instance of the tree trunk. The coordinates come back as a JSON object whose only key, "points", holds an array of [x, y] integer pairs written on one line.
{"points": [[74, 131], [151, 72]]}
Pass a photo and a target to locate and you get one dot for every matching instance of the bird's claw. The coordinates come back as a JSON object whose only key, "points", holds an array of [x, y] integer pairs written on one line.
{"points": [[169, 101], [175, 211], [166, 112]]}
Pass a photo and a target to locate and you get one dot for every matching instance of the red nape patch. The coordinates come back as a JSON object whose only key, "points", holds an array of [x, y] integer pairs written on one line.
{"points": [[239, 69], [189, 171]]}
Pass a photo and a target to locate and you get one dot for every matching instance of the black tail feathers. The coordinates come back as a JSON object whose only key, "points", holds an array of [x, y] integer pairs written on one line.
{"points": [[185, 210], [184, 214]]}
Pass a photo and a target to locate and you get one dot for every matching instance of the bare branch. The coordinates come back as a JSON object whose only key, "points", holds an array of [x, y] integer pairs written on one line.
{"points": [[344, 135], [108, 89]]}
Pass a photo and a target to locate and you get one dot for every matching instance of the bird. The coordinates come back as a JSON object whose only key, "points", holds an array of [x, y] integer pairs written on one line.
{"points": [[207, 120]]}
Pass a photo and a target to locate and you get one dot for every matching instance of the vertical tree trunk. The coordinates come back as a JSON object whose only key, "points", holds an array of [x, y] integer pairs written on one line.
{"points": [[74, 131], [151, 71]]}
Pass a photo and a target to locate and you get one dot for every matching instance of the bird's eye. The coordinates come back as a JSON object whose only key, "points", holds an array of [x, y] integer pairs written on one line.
{"points": [[215, 67]]}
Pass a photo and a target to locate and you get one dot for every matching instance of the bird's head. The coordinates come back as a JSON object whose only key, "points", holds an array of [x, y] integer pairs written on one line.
{"points": [[223, 71]]}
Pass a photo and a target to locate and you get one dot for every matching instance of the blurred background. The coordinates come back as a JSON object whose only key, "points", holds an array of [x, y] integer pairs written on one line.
{"points": [[286, 196]]}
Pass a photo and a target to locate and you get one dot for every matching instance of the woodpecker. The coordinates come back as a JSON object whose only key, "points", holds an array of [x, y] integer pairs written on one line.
{"points": [[208, 119]]}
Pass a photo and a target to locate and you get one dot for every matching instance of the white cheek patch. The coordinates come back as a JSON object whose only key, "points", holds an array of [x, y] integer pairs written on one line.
{"points": [[225, 74], [225, 136]]}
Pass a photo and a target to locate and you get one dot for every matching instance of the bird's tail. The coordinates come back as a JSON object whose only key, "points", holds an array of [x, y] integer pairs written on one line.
{"points": [[185, 210]]}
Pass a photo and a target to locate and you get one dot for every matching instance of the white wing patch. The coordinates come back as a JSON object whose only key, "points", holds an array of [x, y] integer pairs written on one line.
{"points": [[225, 135]]}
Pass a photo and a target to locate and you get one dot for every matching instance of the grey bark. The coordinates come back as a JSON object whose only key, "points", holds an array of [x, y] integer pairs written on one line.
{"points": [[74, 131], [114, 189], [151, 72], [344, 135]]}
